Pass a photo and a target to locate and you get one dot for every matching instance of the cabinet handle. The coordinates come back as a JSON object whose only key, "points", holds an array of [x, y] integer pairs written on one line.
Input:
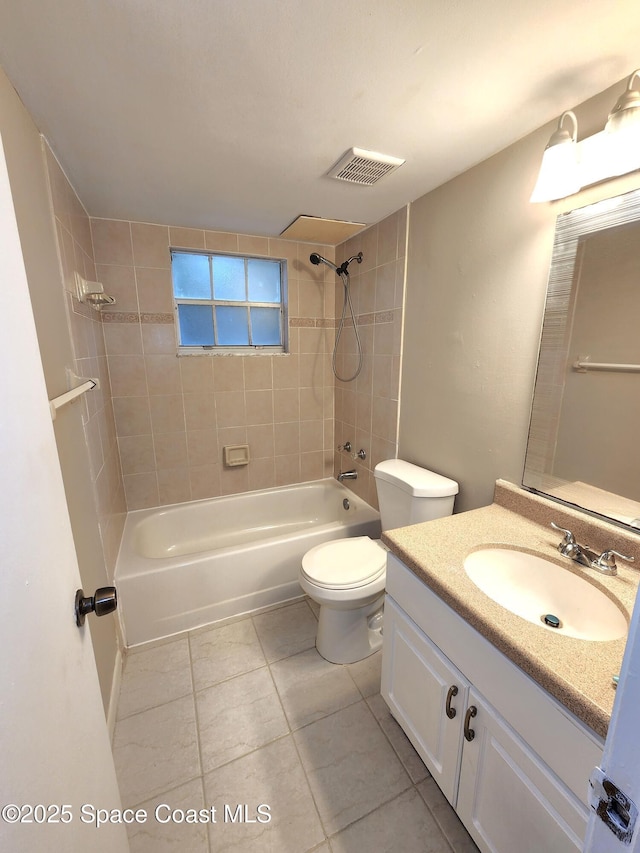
{"points": [[471, 712], [453, 691]]}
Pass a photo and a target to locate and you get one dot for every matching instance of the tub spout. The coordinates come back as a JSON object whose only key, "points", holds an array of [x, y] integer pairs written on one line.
{"points": [[348, 475]]}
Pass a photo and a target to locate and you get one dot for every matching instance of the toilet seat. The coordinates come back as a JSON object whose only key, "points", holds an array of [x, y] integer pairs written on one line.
{"points": [[345, 563]]}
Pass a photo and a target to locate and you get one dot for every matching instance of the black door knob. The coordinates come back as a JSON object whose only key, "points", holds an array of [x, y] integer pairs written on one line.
{"points": [[104, 600]]}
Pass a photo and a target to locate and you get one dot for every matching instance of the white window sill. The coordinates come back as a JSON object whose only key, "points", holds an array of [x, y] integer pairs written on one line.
{"points": [[218, 352]]}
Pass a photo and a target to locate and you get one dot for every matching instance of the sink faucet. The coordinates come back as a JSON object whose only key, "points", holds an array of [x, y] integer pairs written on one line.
{"points": [[348, 475], [604, 562]]}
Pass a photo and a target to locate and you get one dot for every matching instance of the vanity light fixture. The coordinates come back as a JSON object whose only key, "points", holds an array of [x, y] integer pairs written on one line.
{"points": [[559, 172], [568, 165], [623, 128]]}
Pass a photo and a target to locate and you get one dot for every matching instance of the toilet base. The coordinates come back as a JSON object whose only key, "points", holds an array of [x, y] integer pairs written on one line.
{"points": [[347, 636]]}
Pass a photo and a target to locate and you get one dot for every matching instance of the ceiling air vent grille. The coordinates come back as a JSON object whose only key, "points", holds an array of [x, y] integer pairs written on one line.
{"points": [[364, 167]]}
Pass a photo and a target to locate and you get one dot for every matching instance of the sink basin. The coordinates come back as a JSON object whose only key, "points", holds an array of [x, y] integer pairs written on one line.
{"points": [[537, 589]]}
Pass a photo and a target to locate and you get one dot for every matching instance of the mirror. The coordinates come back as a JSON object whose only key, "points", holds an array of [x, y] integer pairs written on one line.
{"points": [[583, 445]]}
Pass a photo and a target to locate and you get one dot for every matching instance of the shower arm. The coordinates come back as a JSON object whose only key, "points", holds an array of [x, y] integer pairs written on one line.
{"points": [[344, 268]]}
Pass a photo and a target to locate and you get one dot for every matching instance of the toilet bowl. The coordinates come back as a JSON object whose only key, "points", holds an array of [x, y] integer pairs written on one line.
{"points": [[346, 577]]}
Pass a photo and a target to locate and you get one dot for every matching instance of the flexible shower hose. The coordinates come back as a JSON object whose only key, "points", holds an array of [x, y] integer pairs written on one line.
{"points": [[346, 301]]}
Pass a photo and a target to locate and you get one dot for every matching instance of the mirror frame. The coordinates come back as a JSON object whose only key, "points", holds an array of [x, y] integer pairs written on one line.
{"points": [[553, 353]]}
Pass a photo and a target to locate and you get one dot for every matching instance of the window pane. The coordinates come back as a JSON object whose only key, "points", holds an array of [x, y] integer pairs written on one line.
{"points": [[191, 276], [232, 326], [228, 278], [264, 281], [265, 326], [196, 325]]}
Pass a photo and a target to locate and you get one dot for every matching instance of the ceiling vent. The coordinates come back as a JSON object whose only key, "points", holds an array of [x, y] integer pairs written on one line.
{"points": [[364, 167]]}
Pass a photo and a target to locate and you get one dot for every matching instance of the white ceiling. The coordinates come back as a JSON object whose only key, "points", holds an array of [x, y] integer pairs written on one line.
{"points": [[226, 114]]}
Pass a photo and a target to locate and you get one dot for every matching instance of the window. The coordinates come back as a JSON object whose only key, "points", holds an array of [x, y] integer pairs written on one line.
{"points": [[228, 303]]}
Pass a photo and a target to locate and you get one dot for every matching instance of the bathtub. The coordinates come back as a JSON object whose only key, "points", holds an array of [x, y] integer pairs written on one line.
{"points": [[192, 564]]}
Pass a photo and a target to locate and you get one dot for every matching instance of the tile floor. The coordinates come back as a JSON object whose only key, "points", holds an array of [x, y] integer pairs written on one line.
{"points": [[248, 714]]}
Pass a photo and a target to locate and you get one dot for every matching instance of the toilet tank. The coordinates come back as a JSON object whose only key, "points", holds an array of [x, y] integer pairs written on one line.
{"points": [[408, 494]]}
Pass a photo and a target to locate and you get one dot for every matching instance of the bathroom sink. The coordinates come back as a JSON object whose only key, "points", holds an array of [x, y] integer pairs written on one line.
{"points": [[546, 594]]}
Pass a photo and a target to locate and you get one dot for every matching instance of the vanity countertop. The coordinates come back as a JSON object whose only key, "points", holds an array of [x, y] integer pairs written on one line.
{"points": [[578, 673]]}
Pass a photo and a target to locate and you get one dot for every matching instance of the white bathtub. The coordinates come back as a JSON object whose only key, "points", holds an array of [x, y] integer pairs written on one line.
{"points": [[192, 564]]}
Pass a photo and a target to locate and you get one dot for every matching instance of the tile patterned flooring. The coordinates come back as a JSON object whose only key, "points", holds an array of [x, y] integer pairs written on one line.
{"points": [[248, 713]]}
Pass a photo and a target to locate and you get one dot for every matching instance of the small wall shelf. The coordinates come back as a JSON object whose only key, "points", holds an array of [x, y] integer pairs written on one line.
{"points": [[92, 292]]}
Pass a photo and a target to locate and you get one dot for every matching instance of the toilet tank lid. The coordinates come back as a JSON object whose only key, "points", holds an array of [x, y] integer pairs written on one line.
{"points": [[415, 480]]}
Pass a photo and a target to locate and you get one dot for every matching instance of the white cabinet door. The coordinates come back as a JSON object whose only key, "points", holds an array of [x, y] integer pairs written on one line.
{"points": [[507, 798], [426, 694]]}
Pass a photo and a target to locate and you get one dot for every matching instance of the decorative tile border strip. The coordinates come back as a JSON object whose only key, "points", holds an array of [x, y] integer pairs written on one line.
{"points": [[120, 317], [294, 322], [134, 317], [157, 319]]}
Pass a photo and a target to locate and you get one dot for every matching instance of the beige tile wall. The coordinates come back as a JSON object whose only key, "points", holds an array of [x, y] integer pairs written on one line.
{"points": [[86, 330], [174, 415], [366, 409]]}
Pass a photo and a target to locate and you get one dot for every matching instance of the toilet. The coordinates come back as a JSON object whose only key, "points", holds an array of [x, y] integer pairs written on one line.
{"points": [[346, 577]]}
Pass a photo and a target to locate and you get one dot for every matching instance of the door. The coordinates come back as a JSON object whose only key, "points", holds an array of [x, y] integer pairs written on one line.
{"points": [[55, 756], [621, 758], [426, 695]]}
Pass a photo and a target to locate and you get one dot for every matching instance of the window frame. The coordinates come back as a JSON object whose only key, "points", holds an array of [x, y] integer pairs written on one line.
{"points": [[240, 349]]}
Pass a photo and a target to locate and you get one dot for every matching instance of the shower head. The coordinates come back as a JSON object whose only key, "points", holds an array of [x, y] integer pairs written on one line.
{"points": [[317, 259]]}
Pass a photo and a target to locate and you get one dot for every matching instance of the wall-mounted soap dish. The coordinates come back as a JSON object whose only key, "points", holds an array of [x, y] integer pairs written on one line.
{"points": [[236, 454], [92, 292]]}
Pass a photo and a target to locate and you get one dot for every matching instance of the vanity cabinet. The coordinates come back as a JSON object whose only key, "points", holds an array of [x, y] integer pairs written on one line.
{"points": [[427, 695], [510, 759]]}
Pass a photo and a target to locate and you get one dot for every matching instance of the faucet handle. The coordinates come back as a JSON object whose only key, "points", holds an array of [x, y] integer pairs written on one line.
{"points": [[607, 560], [569, 538]]}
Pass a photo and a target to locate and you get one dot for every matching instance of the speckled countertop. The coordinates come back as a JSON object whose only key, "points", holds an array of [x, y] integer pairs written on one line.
{"points": [[577, 672]]}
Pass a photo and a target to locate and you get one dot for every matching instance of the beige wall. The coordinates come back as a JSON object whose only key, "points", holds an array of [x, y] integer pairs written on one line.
{"points": [[478, 263], [174, 415], [31, 195], [367, 408]]}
